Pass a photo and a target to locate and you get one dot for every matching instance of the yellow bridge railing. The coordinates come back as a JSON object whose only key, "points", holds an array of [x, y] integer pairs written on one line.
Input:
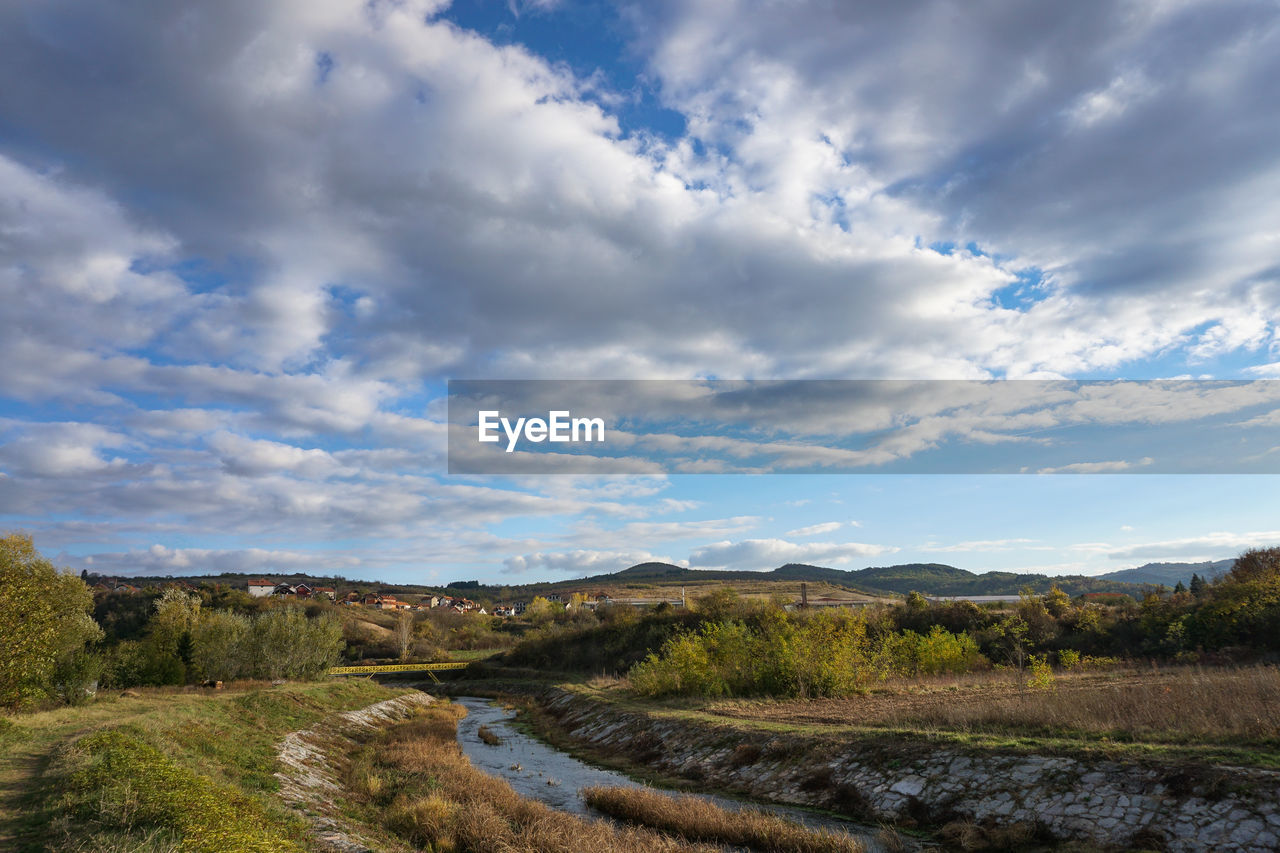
{"points": [[429, 668]]}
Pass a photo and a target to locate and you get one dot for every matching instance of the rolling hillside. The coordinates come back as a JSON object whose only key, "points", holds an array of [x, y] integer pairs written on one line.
{"points": [[1170, 573], [667, 580]]}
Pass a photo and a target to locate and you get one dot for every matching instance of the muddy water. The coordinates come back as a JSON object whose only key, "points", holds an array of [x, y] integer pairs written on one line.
{"points": [[541, 772]]}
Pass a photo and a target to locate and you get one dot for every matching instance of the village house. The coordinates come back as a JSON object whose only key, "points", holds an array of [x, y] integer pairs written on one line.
{"points": [[260, 588]]}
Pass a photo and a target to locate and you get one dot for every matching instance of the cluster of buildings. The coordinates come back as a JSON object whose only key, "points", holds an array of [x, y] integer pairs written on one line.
{"points": [[263, 588], [260, 588]]}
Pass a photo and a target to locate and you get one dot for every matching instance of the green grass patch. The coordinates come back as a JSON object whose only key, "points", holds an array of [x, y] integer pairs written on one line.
{"points": [[117, 780], [207, 745], [474, 654]]}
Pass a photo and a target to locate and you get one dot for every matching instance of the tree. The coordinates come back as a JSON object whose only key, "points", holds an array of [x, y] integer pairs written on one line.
{"points": [[1013, 633], [44, 619], [1242, 608], [177, 613], [220, 649], [721, 603], [404, 632], [1255, 564], [284, 643], [539, 611], [1057, 602], [1179, 588], [1197, 585]]}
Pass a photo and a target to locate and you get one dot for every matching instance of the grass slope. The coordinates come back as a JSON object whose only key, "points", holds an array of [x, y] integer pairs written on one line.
{"points": [[161, 770]]}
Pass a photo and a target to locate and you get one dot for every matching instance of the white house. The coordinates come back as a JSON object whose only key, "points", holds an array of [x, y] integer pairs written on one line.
{"points": [[259, 588]]}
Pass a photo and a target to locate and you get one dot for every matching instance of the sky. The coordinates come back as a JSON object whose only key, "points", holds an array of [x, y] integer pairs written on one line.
{"points": [[244, 247]]}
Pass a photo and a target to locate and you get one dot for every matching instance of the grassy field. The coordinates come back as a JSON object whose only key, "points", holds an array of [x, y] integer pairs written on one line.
{"points": [[1230, 714], [160, 770], [1179, 715]]}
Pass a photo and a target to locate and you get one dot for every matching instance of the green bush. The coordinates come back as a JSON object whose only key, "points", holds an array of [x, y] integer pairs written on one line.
{"points": [[819, 655]]}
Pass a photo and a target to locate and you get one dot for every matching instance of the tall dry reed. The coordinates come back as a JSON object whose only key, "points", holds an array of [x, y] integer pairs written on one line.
{"points": [[701, 820]]}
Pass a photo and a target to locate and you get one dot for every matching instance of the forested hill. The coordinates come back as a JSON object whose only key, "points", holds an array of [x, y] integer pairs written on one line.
{"points": [[1170, 573], [929, 578]]}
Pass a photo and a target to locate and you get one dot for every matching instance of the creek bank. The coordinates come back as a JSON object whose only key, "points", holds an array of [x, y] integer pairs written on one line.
{"points": [[309, 778], [1099, 801], [538, 771]]}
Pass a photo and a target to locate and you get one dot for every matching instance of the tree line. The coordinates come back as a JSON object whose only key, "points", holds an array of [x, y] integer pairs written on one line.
{"points": [[730, 646], [55, 650]]}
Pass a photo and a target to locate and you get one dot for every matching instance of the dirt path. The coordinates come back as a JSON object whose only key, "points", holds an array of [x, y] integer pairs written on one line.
{"points": [[28, 746]]}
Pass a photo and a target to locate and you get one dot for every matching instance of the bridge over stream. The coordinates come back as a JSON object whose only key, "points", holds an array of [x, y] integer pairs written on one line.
{"points": [[429, 668]]}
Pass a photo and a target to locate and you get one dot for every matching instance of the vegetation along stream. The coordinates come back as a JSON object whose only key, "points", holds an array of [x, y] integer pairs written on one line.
{"points": [[542, 772]]}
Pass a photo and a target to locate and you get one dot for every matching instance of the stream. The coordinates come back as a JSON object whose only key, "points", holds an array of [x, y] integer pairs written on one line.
{"points": [[541, 772]]}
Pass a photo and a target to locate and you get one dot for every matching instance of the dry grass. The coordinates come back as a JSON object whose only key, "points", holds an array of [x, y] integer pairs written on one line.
{"points": [[431, 796], [1184, 704], [967, 835], [700, 820], [488, 735]]}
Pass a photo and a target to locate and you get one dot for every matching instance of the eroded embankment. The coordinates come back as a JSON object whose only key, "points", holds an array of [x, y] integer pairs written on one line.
{"points": [[309, 780], [1104, 802]]}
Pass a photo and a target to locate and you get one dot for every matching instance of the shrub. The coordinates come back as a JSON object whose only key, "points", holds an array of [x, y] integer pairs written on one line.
{"points": [[1041, 673], [810, 655]]}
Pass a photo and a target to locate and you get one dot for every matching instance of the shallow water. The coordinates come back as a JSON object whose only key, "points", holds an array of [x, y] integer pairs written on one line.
{"points": [[541, 772]]}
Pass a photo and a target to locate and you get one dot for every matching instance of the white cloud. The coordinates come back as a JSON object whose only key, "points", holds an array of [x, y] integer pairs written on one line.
{"points": [[978, 545], [579, 561], [1112, 467], [764, 554], [1209, 546], [816, 529], [162, 560]]}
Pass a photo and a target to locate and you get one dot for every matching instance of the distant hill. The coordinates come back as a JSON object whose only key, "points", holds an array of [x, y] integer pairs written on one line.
{"points": [[928, 578], [1170, 573], [939, 579]]}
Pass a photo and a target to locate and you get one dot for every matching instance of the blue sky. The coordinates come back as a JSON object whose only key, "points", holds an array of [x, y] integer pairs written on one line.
{"points": [[243, 247]]}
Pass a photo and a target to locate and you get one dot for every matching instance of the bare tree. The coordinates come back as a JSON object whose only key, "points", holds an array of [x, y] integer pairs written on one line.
{"points": [[404, 633]]}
